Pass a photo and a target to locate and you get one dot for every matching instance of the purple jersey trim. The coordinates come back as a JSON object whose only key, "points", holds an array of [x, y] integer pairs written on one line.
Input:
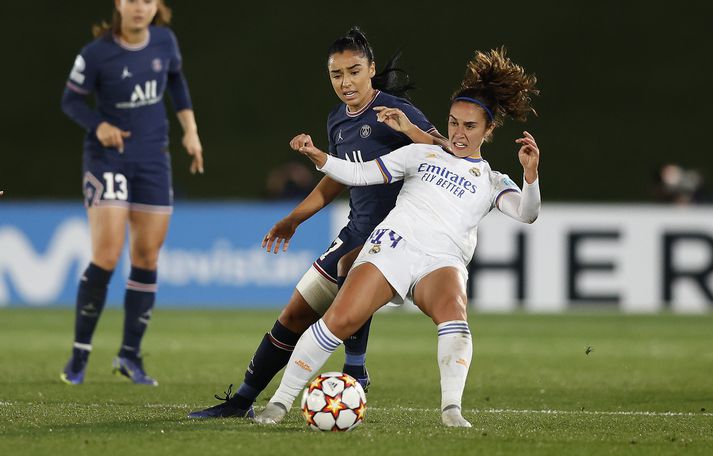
{"points": [[507, 190], [384, 171]]}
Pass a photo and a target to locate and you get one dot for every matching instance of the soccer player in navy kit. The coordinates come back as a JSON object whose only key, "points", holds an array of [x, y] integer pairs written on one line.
{"points": [[355, 135], [126, 167]]}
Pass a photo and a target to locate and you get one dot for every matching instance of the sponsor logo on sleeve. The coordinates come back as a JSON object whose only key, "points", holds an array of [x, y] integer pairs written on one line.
{"points": [[77, 70]]}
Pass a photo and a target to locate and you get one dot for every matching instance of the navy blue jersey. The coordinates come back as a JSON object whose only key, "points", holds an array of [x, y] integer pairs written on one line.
{"points": [[129, 84], [359, 137]]}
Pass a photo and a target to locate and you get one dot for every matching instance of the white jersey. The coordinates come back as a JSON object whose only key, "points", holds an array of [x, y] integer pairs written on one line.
{"points": [[443, 198]]}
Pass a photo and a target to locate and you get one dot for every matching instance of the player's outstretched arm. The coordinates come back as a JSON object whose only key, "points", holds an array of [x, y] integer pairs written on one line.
{"points": [[281, 233]]}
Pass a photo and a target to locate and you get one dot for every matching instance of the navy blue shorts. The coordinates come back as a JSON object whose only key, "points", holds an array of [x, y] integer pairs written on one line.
{"points": [[348, 239], [137, 185]]}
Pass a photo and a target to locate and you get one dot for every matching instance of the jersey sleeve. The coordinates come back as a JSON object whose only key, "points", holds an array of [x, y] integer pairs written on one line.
{"points": [[177, 85], [502, 184], [522, 206], [385, 169], [176, 59], [83, 75], [393, 165], [82, 81], [417, 117]]}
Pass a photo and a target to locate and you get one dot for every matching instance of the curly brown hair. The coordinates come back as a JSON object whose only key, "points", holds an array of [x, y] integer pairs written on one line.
{"points": [[500, 84], [163, 17]]}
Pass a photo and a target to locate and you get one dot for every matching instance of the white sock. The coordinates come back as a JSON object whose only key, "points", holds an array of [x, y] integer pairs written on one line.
{"points": [[311, 352], [455, 350]]}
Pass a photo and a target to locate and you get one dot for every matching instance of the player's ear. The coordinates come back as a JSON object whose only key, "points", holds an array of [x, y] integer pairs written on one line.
{"points": [[372, 69]]}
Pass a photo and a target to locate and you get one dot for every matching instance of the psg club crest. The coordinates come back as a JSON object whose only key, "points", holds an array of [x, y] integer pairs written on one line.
{"points": [[156, 65], [475, 171], [365, 131], [376, 248]]}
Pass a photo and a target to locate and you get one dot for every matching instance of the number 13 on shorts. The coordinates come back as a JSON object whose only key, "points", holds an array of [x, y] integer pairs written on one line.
{"points": [[112, 191]]}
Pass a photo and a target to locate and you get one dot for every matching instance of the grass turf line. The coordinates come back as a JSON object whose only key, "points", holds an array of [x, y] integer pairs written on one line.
{"points": [[644, 389]]}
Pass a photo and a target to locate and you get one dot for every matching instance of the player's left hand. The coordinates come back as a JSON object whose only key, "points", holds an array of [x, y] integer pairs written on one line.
{"points": [[281, 233], [193, 146], [394, 118], [529, 155]]}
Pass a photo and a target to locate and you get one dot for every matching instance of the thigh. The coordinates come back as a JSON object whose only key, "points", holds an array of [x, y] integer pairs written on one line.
{"points": [[107, 229], [364, 292], [147, 232], [441, 295]]}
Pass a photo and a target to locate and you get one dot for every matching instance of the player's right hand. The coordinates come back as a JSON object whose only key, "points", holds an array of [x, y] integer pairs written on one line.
{"points": [[111, 136], [281, 233], [394, 118], [300, 141]]}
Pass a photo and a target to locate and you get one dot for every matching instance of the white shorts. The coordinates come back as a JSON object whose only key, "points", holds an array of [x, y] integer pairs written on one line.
{"points": [[317, 290], [402, 264]]}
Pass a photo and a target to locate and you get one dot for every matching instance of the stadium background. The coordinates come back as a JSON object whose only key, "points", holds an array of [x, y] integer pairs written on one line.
{"points": [[624, 89]]}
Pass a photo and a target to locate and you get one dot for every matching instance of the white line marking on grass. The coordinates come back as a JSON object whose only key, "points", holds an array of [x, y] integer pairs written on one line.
{"points": [[412, 409], [557, 412]]}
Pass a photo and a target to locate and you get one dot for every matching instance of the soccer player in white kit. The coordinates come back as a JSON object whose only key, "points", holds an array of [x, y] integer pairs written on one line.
{"points": [[422, 247]]}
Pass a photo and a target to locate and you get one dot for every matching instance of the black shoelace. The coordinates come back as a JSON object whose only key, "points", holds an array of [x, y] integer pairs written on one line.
{"points": [[227, 394]]}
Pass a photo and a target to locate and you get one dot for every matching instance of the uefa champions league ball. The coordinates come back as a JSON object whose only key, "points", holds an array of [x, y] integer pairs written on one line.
{"points": [[334, 402]]}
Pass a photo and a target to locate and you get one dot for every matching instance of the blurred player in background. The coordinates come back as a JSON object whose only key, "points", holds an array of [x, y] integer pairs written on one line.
{"points": [[127, 167], [422, 247], [354, 135]]}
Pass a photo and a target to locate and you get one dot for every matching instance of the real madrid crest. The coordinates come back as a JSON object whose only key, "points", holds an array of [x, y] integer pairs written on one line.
{"points": [[475, 171], [376, 248], [365, 131]]}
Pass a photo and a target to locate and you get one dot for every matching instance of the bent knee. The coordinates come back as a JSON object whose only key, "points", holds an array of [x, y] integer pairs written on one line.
{"points": [[450, 308], [297, 316], [107, 258], [145, 258], [343, 324]]}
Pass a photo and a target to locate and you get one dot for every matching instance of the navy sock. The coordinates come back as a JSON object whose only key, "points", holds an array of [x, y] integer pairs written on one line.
{"points": [[355, 346], [91, 297], [138, 302], [272, 355], [355, 349]]}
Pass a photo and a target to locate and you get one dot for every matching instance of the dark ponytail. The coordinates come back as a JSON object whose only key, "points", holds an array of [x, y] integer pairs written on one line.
{"points": [[390, 79]]}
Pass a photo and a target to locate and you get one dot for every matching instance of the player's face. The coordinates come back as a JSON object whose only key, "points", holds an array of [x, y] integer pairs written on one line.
{"points": [[467, 128], [136, 14], [351, 73]]}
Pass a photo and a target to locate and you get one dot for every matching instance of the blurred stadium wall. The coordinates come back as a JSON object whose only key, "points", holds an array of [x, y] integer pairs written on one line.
{"points": [[624, 89], [633, 258]]}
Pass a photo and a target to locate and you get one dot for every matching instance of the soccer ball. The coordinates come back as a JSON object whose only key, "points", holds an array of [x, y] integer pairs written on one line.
{"points": [[334, 402]]}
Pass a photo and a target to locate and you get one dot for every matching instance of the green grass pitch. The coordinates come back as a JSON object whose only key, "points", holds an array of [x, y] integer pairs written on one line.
{"points": [[646, 388]]}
